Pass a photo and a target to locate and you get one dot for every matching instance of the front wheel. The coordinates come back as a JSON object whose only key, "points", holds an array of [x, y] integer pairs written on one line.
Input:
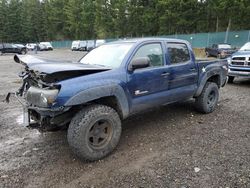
{"points": [[208, 99], [94, 132]]}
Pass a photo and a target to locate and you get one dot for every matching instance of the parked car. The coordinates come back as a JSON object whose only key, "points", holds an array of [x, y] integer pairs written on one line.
{"points": [[90, 45], [31, 46], [42, 47], [48, 45], [12, 48], [79, 45], [111, 83], [220, 51], [99, 42], [239, 63]]}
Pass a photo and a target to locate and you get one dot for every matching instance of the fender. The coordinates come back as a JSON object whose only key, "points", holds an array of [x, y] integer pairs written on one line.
{"points": [[204, 78], [99, 92]]}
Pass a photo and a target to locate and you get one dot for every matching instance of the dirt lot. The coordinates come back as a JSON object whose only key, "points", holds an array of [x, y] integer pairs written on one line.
{"points": [[173, 146]]}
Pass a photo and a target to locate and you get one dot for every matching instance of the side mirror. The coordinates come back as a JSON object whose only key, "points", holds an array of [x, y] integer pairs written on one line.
{"points": [[138, 63]]}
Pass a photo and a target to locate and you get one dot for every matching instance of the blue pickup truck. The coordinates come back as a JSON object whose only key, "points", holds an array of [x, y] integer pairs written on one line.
{"points": [[112, 82]]}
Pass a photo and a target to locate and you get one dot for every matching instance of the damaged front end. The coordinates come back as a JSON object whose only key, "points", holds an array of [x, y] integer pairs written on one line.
{"points": [[39, 91], [38, 100]]}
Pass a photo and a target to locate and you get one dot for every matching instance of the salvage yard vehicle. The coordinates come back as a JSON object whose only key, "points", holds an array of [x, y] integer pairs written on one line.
{"points": [[111, 83], [12, 48], [31, 46], [220, 51], [239, 63], [42, 47], [90, 45], [79, 45], [48, 45], [99, 42]]}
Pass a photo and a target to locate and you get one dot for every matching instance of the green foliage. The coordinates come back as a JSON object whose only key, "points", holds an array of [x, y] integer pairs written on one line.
{"points": [[40, 20]]}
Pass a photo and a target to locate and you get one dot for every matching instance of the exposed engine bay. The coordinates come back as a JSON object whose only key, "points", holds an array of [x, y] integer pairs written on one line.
{"points": [[40, 88]]}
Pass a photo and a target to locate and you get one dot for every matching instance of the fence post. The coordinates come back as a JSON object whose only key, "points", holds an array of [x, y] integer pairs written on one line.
{"points": [[208, 38], [226, 36]]}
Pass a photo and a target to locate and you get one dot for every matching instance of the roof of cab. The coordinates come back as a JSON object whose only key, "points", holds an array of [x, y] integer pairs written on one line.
{"points": [[139, 40]]}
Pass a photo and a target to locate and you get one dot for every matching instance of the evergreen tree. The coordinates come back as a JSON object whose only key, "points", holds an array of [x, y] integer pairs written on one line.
{"points": [[45, 20]]}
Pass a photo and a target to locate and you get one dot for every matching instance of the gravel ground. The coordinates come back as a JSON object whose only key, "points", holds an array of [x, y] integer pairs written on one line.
{"points": [[172, 146]]}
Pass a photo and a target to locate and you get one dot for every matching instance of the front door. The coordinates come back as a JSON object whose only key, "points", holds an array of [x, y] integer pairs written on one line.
{"points": [[147, 85]]}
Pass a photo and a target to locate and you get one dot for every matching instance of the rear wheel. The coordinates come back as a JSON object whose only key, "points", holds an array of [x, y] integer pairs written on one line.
{"points": [[94, 132], [208, 99], [230, 79]]}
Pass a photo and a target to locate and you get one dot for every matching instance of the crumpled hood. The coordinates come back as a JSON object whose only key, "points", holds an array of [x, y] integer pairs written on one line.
{"points": [[54, 71], [51, 66]]}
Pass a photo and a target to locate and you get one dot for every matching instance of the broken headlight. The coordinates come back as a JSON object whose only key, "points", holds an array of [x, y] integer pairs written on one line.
{"points": [[41, 97]]}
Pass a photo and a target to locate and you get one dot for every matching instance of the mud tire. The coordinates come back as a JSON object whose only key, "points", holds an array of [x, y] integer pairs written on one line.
{"points": [[207, 101], [81, 129]]}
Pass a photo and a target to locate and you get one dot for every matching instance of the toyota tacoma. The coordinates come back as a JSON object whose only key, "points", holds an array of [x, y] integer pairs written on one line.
{"points": [[112, 82]]}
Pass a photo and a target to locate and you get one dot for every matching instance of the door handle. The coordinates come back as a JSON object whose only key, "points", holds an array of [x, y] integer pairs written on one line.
{"points": [[165, 74]]}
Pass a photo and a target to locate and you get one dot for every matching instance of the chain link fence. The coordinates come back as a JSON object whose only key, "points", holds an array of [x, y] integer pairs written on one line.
{"points": [[198, 40]]}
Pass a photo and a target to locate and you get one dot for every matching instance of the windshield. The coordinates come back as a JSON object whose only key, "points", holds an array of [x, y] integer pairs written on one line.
{"points": [[224, 46], [110, 55], [75, 43], [245, 47]]}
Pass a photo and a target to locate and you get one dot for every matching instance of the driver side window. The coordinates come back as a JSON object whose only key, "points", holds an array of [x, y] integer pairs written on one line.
{"points": [[153, 52]]}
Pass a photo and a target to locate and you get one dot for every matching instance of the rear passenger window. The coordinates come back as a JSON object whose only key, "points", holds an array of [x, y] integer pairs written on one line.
{"points": [[178, 53], [153, 52], [1, 46]]}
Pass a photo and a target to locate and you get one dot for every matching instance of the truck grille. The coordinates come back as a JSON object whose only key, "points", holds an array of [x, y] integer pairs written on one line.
{"points": [[241, 61], [239, 58]]}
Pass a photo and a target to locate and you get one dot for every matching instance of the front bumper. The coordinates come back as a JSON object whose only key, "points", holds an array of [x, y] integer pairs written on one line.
{"points": [[44, 119], [239, 73]]}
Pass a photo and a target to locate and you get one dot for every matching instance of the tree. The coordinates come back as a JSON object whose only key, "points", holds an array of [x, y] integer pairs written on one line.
{"points": [[38, 20]]}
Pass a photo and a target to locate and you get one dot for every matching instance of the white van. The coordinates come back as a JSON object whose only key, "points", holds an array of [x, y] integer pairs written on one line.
{"points": [[79, 45], [99, 42], [31, 46], [47, 44], [90, 45]]}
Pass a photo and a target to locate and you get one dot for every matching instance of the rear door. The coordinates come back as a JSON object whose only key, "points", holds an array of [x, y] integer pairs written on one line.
{"points": [[14, 48], [183, 71]]}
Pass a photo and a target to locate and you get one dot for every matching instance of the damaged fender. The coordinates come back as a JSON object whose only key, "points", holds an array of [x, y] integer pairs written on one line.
{"points": [[99, 92]]}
